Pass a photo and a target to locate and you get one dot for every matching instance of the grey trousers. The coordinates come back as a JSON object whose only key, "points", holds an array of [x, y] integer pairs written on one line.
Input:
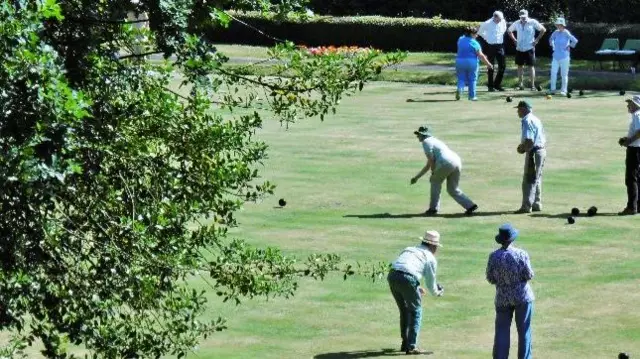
{"points": [[532, 179], [452, 175]]}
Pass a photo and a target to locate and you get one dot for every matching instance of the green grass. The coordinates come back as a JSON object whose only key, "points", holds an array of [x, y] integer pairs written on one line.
{"points": [[411, 74], [413, 58], [338, 174]]}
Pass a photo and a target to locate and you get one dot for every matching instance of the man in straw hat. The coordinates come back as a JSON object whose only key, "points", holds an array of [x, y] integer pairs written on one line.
{"points": [[414, 264], [509, 269], [444, 165], [532, 144], [632, 162]]}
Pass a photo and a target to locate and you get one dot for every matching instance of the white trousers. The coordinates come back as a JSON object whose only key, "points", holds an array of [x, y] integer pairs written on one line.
{"points": [[563, 66]]}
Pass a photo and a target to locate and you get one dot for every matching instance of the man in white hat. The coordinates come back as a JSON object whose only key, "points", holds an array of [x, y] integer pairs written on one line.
{"points": [[632, 162], [492, 31], [526, 45], [414, 264]]}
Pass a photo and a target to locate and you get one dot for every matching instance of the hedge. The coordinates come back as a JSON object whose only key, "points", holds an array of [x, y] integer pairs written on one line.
{"points": [[386, 33]]}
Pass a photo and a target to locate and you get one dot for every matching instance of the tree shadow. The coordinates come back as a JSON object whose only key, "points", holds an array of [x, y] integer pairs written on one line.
{"points": [[443, 100], [363, 354], [388, 215]]}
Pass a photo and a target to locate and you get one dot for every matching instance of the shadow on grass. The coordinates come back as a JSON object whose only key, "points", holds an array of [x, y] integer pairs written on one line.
{"points": [[414, 215], [444, 100], [362, 354], [565, 215]]}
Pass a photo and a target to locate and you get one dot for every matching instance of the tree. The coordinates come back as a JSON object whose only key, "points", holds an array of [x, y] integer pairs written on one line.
{"points": [[117, 188]]}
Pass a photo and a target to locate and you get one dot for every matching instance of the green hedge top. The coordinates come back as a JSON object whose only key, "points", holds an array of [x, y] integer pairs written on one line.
{"points": [[388, 33]]}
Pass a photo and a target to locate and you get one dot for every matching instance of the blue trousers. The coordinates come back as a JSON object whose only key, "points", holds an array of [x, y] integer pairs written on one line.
{"points": [[404, 288], [467, 72], [502, 339]]}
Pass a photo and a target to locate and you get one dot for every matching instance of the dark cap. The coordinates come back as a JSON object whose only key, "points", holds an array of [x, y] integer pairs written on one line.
{"points": [[423, 130], [524, 104]]}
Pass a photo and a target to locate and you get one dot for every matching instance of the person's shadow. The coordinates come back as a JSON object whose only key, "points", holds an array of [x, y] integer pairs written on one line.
{"points": [[565, 215], [431, 100], [363, 354], [388, 215]]}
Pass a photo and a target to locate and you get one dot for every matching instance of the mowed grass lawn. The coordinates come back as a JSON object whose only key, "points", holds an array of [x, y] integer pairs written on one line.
{"points": [[340, 174]]}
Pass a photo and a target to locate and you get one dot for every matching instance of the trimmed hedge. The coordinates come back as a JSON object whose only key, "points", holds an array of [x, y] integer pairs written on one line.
{"points": [[410, 34]]}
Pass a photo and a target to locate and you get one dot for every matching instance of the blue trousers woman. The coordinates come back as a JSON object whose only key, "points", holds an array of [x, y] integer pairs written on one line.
{"points": [[467, 72]]}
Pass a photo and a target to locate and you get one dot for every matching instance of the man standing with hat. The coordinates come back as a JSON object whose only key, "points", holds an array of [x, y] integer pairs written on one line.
{"points": [[632, 162], [526, 45], [444, 165], [492, 31], [414, 264], [532, 144], [509, 269]]}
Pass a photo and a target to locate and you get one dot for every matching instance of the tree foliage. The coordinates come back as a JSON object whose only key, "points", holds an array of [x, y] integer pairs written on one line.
{"points": [[595, 11], [118, 187]]}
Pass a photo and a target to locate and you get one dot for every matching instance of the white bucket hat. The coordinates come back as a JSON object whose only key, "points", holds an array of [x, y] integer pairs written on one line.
{"points": [[635, 99], [560, 21], [431, 237]]}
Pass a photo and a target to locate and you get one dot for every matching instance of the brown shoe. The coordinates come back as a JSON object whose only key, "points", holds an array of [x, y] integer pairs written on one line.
{"points": [[627, 212]]}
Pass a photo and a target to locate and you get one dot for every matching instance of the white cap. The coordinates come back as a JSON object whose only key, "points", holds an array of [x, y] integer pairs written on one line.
{"points": [[635, 99]]}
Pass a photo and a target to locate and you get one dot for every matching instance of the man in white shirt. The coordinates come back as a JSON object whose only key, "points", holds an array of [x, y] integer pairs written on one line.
{"points": [[413, 264], [492, 31], [632, 163], [526, 45], [532, 144]]}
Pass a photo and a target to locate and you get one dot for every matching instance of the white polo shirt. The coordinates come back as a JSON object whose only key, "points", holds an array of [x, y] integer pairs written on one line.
{"points": [[526, 33], [634, 127], [493, 33]]}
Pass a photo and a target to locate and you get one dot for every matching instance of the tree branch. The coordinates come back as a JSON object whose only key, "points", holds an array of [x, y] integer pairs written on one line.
{"points": [[101, 21], [140, 55]]}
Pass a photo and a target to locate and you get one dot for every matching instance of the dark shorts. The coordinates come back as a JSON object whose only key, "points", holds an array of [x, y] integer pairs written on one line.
{"points": [[526, 58]]}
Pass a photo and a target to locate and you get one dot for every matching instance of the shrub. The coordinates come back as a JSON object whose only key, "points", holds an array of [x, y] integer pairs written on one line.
{"points": [[409, 34]]}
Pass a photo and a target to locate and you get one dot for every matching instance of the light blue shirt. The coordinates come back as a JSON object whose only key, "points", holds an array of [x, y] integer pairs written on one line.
{"points": [[441, 154], [560, 42], [419, 262], [532, 129], [468, 48]]}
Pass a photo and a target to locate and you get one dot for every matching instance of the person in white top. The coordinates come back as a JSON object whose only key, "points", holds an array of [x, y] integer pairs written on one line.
{"points": [[561, 41], [526, 45], [412, 265], [632, 162], [492, 31]]}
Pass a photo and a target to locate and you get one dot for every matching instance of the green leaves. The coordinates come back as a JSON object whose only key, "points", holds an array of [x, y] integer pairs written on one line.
{"points": [[49, 9], [122, 176], [221, 18]]}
